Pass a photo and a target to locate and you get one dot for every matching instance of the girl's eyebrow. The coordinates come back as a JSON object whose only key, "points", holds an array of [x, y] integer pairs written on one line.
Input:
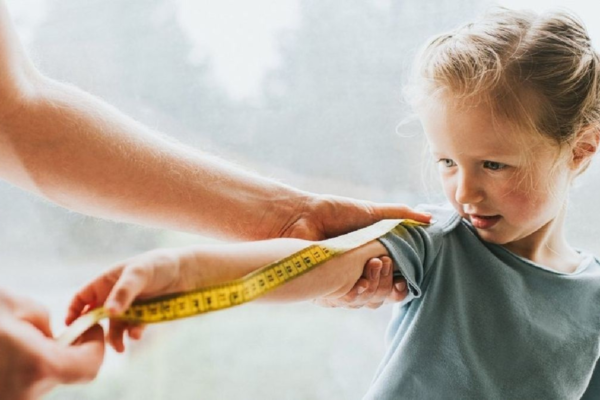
{"points": [[499, 154], [436, 154], [481, 156]]}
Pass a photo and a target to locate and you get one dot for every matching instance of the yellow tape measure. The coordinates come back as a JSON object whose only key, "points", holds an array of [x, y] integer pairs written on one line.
{"points": [[239, 291]]}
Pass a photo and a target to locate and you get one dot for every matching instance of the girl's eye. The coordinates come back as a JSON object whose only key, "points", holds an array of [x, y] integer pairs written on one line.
{"points": [[493, 165], [446, 162]]}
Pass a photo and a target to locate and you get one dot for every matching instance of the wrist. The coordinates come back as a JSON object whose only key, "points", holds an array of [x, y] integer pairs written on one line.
{"points": [[283, 211]]}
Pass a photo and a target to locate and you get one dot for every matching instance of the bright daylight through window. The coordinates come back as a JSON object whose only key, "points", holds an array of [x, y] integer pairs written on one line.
{"points": [[308, 92]]}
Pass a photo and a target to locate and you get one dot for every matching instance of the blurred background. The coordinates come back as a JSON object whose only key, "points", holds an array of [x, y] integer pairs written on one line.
{"points": [[304, 91]]}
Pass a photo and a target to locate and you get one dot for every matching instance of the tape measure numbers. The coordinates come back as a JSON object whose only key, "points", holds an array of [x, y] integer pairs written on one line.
{"points": [[239, 291]]}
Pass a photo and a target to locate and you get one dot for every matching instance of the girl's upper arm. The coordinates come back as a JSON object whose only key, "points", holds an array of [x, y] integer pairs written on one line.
{"points": [[414, 249]]}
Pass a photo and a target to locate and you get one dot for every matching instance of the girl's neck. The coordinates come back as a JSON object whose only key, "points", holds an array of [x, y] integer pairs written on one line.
{"points": [[548, 246]]}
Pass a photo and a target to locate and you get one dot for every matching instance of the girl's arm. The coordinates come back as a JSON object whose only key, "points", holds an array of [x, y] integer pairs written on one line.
{"points": [[167, 271], [218, 264]]}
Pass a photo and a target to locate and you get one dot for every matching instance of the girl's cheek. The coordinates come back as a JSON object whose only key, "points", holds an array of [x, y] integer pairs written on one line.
{"points": [[521, 199], [449, 190], [520, 202]]}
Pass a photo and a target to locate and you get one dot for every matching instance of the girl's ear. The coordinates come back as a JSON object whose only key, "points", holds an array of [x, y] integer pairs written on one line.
{"points": [[585, 147]]}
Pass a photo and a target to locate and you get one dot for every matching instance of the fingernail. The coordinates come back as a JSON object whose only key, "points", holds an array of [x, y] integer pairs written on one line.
{"points": [[400, 286], [112, 307], [361, 289], [387, 268]]}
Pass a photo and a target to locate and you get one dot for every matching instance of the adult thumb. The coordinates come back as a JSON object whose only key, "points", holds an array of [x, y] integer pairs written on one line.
{"points": [[129, 285], [81, 361]]}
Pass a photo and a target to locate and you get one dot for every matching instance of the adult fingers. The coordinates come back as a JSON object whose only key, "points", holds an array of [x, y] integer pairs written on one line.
{"points": [[92, 294], [385, 287], [375, 305], [35, 313], [136, 331], [372, 275], [321, 302], [128, 287], [398, 211], [81, 361], [115, 335], [364, 288], [399, 292]]}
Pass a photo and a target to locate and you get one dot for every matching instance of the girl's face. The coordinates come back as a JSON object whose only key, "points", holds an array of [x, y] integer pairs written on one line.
{"points": [[500, 180]]}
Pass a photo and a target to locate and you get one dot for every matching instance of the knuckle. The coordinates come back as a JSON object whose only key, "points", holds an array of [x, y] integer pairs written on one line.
{"points": [[373, 275], [122, 291], [369, 293], [322, 303], [136, 271], [383, 292], [349, 298], [161, 257]]}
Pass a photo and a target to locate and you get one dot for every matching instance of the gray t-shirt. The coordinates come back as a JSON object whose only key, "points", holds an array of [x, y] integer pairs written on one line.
{"points": [[481, 322]]}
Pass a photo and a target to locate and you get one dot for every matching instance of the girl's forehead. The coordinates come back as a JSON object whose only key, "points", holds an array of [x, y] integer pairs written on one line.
{"points": [[473, 129]]}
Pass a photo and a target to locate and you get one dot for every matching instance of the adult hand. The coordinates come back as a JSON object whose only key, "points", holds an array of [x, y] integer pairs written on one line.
{"points": [[320, 217], [31, 362], [375, 287], [323, 216]]}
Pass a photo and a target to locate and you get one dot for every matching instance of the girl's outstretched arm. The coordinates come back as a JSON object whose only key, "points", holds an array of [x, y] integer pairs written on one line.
{"points": [[165, 271]]}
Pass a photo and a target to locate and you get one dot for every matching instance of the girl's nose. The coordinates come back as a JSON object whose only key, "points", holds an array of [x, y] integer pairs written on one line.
{"points": [[468, 190]]}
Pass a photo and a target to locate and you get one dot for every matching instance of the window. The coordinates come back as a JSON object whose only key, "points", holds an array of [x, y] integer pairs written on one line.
{"points": [[305, 91]]}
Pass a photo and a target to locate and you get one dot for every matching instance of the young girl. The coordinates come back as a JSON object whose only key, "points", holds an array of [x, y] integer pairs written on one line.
{"points": [[501, 306]]}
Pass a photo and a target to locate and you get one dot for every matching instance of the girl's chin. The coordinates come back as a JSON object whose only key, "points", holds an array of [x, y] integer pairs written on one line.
{"points": [[492, 237]]}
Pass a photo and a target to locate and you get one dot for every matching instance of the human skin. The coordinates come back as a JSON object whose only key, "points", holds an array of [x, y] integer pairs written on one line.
{"points": [[31, 361], [75, 150], [79, 152], [511, 185], [166, 271]]}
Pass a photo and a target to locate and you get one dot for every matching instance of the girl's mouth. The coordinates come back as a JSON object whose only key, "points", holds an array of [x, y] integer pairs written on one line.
{"points": [[484, 221]]}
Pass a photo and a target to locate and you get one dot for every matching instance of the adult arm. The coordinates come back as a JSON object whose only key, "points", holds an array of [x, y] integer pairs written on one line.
{"points": [[78, 151]]}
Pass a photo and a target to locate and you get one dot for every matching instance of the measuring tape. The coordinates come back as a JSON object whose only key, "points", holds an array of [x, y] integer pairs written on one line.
{"points": [[239, 291]]}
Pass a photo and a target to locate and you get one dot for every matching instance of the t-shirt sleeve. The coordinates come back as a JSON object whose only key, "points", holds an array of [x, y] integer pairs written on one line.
{"points": [[413, 248]]}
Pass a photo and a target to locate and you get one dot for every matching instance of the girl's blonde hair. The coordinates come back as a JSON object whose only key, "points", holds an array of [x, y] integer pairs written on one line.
{"points": [[539, 71]]}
